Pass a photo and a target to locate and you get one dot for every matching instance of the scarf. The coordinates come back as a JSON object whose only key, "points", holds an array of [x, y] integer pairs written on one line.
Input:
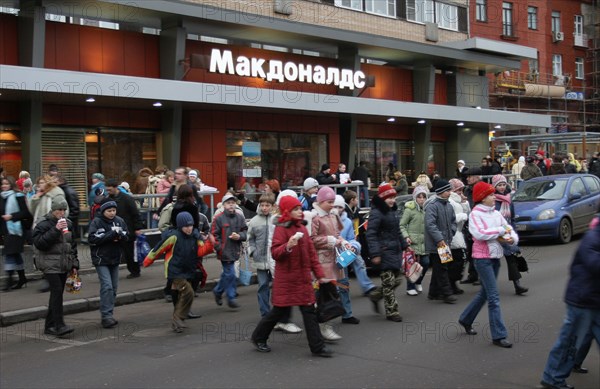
{"points": [[504, 205], [14, 227]]}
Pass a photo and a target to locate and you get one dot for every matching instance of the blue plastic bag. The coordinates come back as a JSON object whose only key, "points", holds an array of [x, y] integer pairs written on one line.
{"points": [[142, 247]]}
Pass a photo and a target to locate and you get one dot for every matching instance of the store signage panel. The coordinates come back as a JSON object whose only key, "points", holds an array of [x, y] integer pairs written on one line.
{"points": [[222, 62], [251, 161]]}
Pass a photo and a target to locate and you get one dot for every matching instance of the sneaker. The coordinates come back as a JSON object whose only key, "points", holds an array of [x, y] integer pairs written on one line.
{"points": [[290, 328], [419, 287], [261, 346], [109, 322], [395, 318], [328, 332], [412, 292], [350, 320], [64, 330]]}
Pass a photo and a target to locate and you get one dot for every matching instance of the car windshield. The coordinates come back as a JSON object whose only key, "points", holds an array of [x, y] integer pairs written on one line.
{"points": [[540, 190]]}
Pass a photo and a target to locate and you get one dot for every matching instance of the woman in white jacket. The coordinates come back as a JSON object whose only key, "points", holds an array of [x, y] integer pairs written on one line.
{"points": [[489, 230], [461, 207], [516, 170]]}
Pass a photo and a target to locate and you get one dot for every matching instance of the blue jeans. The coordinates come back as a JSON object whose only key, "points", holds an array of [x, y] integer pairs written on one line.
{"points": [[227, 283], [424, 261], [109, 282], [365, 192], [488, 273], [264, 291], [579, 322], [361, 275], [345, 294]]}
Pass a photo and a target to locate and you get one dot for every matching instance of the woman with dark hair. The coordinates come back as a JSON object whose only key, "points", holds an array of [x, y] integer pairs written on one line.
{"points": [[186, 202], [13, 225]]}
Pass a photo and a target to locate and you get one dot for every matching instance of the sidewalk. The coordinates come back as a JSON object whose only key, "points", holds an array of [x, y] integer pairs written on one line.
{"points": [[28, 303]]}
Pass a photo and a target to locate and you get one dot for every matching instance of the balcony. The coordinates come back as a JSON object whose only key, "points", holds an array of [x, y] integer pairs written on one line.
{"points": [[531, 84], [581, 40]]}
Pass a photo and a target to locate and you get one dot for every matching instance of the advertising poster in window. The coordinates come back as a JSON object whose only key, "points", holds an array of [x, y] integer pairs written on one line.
{"points": [[251, 163]]}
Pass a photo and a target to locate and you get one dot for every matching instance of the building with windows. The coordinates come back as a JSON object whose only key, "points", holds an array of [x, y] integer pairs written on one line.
{"points": [[244, 91], [562, 79]]}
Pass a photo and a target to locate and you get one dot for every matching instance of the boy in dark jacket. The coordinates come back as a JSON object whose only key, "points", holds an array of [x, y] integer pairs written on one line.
{"points": [[105, 235], [182, 248], [229, 229], [386, 244]]}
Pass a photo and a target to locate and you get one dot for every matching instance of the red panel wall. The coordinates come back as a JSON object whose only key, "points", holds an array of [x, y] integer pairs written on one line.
{"points": [[390, 83], [9, 51], [68, 115], [99, 50]]}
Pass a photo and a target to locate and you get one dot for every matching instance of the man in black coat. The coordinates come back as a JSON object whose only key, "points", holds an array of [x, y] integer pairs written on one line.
{"points": [[128, 211], [361, 173], [325, 177], [595, 165]]}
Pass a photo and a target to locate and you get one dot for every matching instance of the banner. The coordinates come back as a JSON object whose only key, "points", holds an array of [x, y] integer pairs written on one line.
{"points": [[251, 162]]}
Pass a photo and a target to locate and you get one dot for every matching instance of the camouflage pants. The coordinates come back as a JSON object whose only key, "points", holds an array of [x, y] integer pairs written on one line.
{"points": [[390, 280]]}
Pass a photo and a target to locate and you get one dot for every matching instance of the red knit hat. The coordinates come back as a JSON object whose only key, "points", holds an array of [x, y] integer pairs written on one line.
{"points": [[481, 190], [386, 191], [286, 205]]}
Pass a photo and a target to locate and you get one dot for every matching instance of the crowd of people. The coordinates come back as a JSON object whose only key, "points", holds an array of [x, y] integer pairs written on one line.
{"points": [[450, 226]]}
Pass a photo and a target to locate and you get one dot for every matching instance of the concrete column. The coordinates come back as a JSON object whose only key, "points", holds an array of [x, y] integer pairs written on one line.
{"points": [[172, 52], [31, 139], [32, 33], [348, 59], [423, 92]]}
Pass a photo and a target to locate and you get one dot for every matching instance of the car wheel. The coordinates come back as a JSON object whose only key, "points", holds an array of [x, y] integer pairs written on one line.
{"points": [[565, 231]]}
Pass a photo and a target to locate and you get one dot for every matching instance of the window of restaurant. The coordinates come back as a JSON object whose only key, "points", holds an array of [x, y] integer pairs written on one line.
{"points": [[254, 156], [10, 150], [379, 153]]}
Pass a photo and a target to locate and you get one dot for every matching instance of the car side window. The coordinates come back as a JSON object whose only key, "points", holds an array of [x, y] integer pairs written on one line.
{"points": [[577, 187], [592, 184]]}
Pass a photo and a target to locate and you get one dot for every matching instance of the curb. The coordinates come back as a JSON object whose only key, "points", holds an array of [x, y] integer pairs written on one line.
{"points": [[92, 304]]}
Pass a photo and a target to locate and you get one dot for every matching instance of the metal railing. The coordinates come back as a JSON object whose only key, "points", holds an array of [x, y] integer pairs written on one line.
{"points": [[149, 209]]}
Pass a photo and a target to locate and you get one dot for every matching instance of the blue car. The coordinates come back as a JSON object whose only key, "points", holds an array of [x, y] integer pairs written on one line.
{"points": [[556, 207]]}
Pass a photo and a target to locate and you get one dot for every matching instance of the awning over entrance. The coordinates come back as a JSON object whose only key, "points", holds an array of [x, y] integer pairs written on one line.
{"points": [[567, 137]]}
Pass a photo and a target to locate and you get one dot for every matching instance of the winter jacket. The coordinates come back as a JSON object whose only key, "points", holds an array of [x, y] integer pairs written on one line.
{"points": [[486, 225], [517, 167], [260, 233], [348, 232], [40, 206], [181, 253], [325, 230], [104, 237], [72, 198], [98, 186], [128, 211], [461, 212], [440, 223], [383, 235], [223, 225], [583, 289], [557, 168], [530, 170], [575, 162], [412, 226], [54, 251], [595, 167], [324, 179], [292, 284], [18, 225], [184, 206], [307, 202]]}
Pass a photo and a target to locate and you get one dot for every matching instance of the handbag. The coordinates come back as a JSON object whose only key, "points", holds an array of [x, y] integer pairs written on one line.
{"points": [[329, 305], [73, 283], [142, 248], [522, 265], [412, 268], [344, 258], [245, 274]]}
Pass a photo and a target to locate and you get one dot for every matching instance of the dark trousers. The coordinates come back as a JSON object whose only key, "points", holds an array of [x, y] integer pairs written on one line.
{"points": [[128, 249], [54, 316], [471, 272], [456, 267], [440, 281], [277, 314], [513, 268]]}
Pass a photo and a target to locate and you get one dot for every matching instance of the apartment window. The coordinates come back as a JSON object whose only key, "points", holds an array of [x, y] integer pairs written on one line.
{"points": [[381, 7], [532, 18], [557, 65], [444, 15], [507, 19], [352, 4], [481, 10], [579, 68], [556, 21], [578, 25], [533, 66]]}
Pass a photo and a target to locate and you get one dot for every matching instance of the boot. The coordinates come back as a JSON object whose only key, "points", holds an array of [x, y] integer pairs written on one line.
{"points": [[9, 281], [456, 289], [520, 289], [22, 280]]}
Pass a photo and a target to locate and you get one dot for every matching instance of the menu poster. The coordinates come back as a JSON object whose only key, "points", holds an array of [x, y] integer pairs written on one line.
{"points": [[251, 163]]}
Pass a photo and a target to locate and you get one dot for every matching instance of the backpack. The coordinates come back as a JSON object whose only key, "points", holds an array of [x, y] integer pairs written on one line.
{"points": [[98, 200]]}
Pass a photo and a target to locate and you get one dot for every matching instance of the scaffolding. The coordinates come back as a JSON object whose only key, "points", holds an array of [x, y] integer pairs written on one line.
{"points": [[575, 110]]}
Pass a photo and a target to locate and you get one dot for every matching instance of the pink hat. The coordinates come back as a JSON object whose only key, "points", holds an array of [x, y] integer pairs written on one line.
{"points": [[456, 184], [498, 179], [325, 194]]}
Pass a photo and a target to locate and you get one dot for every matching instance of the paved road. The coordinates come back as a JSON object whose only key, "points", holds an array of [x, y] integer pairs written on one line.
{"points": [[427, 350]]}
